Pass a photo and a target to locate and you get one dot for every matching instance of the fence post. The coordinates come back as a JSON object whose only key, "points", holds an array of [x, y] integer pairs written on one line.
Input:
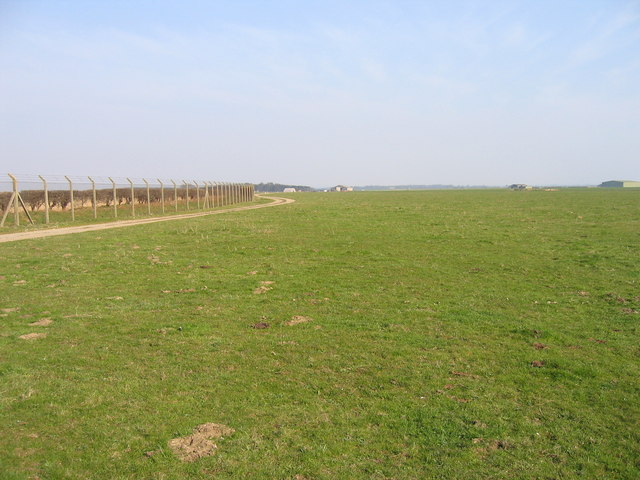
{"points": [[73, 211], [94, 199], [115, 201], [161, 194], [133, 200], [148, 197], [175, 194], [46, 199], [187, 185], [197, 193], [205, 202], [16, 212]]}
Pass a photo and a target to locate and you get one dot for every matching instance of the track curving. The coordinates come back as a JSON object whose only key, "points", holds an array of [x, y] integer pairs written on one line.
{"points": [[14, 237]]}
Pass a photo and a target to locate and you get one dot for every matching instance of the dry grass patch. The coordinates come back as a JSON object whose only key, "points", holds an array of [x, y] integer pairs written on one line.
{"points": [[199, 444], [33, 336], [297, 319]]}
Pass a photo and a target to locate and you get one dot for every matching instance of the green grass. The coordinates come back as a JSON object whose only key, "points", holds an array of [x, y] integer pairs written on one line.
{"points": [[426, 307]]}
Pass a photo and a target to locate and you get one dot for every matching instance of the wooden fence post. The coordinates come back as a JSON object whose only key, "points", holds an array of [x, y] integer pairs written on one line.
{"points": [[161, 194], [73, 211], [133, 200], [148, 197], [94, 199], [46, 199]]}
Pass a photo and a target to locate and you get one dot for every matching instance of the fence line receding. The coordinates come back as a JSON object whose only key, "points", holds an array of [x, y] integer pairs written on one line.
{"points": [[60, 198]]}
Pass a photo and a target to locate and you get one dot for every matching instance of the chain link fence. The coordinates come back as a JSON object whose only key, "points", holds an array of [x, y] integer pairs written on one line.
{"points": [[62, 198]]}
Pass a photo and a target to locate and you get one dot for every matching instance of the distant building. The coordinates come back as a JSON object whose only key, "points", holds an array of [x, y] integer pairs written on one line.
{"points": [[620, 184], [289, 190], [342, 188], [520, 186]]}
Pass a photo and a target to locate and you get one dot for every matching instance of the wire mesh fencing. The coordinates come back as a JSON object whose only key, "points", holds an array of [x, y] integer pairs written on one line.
{"points": [[61, 198]]}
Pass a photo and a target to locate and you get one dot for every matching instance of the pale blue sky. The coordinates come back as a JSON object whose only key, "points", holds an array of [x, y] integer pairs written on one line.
{"points": [[323, 92]]}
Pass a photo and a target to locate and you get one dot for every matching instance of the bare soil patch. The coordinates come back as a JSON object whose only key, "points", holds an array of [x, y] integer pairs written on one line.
{"points": [[260, 325], [199, 444], [264, 287], [32, 336], [43, 322]]}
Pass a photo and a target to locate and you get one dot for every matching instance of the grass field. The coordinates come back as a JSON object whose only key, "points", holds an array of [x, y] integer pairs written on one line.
{"points": [[440, 334]]}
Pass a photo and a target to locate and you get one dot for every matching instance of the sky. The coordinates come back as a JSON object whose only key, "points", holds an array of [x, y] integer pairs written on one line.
{"points": [[323, 92]]}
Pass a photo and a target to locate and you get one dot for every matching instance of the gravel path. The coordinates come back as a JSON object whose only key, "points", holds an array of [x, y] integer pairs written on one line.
{"points": [[14, 237]]}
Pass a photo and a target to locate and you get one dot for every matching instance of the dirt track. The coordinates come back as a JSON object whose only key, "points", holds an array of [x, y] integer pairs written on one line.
{"points": [[13, 237]]}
